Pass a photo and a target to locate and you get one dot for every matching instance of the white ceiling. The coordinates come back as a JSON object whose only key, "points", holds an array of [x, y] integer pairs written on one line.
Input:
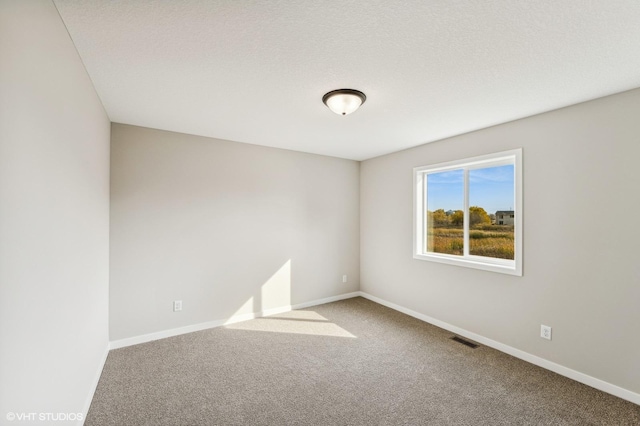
{"points": [[255, 71]]}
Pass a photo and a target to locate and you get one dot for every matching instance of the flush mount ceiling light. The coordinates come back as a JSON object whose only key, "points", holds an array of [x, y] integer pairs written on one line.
{"points": [[344, 101]]}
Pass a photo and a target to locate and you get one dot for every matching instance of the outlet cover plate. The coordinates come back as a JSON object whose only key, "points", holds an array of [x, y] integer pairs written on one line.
{"points": [[545, 332]]}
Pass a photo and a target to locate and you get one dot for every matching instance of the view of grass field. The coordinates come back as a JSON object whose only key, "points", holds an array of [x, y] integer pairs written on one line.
{"points": [[485, 239], [490, 194]]}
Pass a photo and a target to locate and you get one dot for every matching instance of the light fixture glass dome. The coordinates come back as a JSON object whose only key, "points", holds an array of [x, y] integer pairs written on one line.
{"points": [[344, 101]]}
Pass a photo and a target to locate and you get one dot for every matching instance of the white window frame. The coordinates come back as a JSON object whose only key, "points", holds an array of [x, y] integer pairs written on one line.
{"points": [[505, 266]]}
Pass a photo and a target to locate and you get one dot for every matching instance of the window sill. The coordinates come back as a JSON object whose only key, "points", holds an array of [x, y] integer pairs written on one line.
{"points": [[501, 266]]}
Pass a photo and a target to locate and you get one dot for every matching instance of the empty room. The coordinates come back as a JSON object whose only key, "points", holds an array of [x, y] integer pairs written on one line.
{"points": [[319, 213]]}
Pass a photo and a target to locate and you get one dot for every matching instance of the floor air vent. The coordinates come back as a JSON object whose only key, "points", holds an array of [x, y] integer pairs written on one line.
{"points": [[464, 342]]}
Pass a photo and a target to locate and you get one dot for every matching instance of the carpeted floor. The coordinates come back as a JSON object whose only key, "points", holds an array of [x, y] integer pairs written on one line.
{"points": [[352, 362]]}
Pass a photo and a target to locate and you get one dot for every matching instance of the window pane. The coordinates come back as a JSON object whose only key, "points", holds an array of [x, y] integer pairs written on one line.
{"points": [[491, 212], [445, 201]]}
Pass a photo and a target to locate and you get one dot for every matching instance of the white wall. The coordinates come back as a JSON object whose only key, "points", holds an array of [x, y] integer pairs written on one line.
{"points": [[581, 259], [227, 228], [54, 217]]}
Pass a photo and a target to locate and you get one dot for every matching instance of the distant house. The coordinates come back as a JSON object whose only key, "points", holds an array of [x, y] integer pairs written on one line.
{"points": [[505, 217], [449, 212]]}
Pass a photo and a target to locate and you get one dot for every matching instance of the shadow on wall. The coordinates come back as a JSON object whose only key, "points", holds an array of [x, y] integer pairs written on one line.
{"points": [[275, 296]]}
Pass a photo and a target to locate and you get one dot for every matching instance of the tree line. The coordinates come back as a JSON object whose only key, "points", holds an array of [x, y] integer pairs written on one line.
{"points": [[477, 216]]}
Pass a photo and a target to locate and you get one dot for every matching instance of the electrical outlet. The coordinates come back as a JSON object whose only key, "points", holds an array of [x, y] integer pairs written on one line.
{"points": [[177, 305], [545, 332], [344, 278]]}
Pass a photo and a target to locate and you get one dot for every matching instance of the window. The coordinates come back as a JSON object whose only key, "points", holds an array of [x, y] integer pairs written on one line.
{"points": [[469, 212]]}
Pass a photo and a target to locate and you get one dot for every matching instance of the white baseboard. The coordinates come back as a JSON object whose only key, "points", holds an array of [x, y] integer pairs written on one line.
{"points": [[326, 300], [129, 341], [533, 359], [94, 386]]}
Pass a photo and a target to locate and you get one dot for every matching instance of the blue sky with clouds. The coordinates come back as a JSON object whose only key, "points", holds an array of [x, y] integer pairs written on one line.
{"points": [[490, 188]]}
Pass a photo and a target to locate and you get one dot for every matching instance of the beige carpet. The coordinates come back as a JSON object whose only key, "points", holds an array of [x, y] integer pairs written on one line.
{"points": [[351, 362]]}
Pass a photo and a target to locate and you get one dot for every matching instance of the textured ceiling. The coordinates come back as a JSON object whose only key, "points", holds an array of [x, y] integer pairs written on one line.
{"points": [[255, 71]]}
